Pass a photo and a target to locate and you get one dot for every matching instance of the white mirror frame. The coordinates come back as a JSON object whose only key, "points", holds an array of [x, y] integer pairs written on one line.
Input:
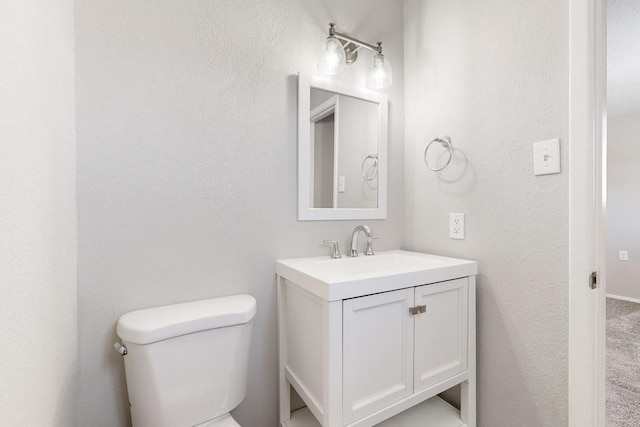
{"points": [[305, 168]]}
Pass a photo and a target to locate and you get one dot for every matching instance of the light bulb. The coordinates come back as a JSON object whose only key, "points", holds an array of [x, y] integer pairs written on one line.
{"points": [[332, 60], [381, 75]]}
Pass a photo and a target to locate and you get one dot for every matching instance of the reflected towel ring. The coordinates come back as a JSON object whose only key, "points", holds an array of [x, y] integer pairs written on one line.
{"points": [[365, 175], [445, 141]]}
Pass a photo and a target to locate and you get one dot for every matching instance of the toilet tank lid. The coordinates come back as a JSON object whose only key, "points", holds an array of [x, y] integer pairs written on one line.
{"points": [[160, 323]]}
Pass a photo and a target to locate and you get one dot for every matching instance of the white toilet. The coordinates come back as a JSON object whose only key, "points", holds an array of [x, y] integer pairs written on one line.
{"points": [[186, 364]]}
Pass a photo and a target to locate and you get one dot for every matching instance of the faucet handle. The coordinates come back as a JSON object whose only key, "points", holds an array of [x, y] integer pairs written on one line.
{"points": [[335, 246], [369, 250]]}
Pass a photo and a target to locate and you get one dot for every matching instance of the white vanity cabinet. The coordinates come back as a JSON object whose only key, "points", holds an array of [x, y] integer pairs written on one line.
{"points": [[367, 349], [389, 353]]}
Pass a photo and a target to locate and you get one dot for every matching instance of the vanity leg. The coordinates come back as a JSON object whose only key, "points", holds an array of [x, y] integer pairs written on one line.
{"points": [[468, 404], [332, 363], [284, 389], [468, 391]]}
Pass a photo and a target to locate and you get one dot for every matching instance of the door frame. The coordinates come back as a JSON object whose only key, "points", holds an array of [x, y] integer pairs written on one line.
{"points": [[322, 111], [587, 220]]}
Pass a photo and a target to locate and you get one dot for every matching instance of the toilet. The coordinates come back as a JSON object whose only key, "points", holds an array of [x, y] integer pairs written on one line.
{"points": [[186, 364]]}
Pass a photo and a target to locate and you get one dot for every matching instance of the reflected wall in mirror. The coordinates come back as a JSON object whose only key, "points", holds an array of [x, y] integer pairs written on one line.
{"points": [[342, 147]]}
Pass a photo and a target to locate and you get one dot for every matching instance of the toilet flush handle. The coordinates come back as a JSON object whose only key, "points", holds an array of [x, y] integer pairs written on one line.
{"points": [[120, 348]]}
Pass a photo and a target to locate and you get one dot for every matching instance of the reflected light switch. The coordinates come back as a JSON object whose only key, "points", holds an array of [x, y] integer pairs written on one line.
{"points": [[546, 157]]}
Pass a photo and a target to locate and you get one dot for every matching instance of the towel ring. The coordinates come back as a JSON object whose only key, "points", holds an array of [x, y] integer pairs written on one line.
{"points": [[445, 141], [375, 166]]}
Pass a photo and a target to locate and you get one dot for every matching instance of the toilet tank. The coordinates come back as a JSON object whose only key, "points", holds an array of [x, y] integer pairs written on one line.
{"points": [[187, 363]]}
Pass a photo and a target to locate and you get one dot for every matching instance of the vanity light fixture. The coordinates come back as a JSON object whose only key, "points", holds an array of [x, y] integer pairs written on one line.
{"points": [[341, 49]]}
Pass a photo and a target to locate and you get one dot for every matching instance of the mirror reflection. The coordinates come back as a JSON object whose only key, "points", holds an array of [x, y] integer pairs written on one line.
{"points": [[344, 136]]}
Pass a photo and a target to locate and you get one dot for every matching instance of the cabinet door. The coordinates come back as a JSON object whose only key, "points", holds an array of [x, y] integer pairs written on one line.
{"points": [[377, 352], [440, 332]]}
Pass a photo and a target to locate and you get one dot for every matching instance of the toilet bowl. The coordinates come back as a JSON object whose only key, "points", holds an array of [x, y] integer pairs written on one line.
{"points": [[187, 364]]}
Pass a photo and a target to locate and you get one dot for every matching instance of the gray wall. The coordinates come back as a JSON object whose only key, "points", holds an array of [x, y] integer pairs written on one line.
{"points": [[186, 133], [358, 122], [38, 364], [623, 205], [323, 160], [494, 75]]}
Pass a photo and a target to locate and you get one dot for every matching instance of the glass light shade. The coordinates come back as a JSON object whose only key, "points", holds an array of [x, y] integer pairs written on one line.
{"points": [[381, 75], [332, 60]]}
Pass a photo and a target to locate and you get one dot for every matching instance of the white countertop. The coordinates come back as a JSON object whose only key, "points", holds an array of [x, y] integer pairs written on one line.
{"points": [[337, 279]]}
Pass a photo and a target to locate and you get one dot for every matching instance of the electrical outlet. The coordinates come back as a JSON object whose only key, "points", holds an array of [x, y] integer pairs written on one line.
{"points": [[456, 226], [623, 255]]}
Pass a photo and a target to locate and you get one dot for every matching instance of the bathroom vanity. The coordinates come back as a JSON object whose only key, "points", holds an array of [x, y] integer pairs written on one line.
{"points": [[362, 340]]}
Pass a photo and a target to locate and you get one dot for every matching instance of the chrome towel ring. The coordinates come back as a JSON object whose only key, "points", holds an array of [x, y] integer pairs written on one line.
{"points": [[365, 174], [445, 141]]}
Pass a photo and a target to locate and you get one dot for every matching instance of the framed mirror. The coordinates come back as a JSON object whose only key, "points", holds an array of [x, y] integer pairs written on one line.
{"points": [[342, 151]]}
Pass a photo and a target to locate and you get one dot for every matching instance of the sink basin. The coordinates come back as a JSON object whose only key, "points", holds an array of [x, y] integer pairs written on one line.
{"points": [[334, 279], [384, 263]]}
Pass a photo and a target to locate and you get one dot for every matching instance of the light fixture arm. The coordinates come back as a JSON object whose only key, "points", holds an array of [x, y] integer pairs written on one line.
{"points": [[332, 32], [340, 50]]}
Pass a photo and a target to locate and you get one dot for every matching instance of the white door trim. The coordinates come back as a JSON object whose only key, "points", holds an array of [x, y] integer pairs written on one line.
{"points": [[587, 198]]}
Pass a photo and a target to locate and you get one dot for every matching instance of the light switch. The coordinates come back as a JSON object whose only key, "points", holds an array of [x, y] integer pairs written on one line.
{"points": [[623, 255], [341, 184], [546, 157]]}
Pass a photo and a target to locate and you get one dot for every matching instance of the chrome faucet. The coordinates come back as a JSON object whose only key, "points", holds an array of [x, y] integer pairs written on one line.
{"points": [[335, 248], [354, 240]]}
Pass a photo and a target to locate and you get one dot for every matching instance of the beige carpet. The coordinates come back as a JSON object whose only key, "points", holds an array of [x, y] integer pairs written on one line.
{"points": [[623, 363]]}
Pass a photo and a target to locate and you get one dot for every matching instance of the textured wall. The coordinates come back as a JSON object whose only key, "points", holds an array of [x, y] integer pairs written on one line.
{"points": [[187, 165], [623, 61], [494, 75], [623, 205], [37, 215]]}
